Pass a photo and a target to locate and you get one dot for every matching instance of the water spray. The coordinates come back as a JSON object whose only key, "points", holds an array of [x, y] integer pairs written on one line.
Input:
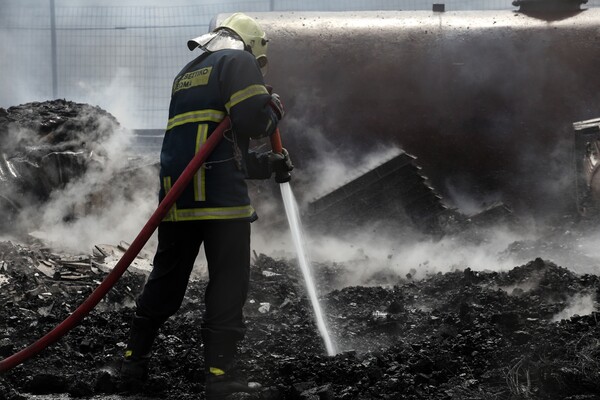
{"points": [[293, 216]]}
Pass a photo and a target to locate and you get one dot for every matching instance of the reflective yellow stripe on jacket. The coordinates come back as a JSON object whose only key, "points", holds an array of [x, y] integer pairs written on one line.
{"points": [[196, 116], [241, 95], [195, 214], [171, 214], [200, 176]]}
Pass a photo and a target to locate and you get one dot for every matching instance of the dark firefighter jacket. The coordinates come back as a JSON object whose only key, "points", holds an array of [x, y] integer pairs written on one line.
{"points": [[226, 82]]}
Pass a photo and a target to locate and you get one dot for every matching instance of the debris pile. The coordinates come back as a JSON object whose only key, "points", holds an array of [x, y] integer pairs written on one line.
{"points": [[44, 146], [531, 332], [394, 190]]}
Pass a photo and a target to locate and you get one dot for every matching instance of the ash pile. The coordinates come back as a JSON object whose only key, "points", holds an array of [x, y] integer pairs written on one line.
{"points": [[45, 146], [529, 332]]}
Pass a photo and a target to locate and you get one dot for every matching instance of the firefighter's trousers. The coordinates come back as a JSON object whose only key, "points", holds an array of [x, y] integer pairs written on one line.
{"points": [[227, 249]]}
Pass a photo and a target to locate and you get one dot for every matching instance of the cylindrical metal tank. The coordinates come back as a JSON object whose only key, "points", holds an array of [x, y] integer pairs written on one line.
{"points": [[484, 99]]}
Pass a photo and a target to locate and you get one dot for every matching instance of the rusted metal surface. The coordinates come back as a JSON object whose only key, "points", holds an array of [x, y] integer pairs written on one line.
{"points": [[484, 99]]}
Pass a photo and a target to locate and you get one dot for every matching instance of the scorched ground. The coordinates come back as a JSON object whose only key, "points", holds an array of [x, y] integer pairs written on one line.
{"points": [[458, 335], [463, 334]]}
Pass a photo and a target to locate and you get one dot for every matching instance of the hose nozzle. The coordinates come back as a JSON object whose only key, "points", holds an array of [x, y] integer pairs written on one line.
{"points": [[280, 175]]}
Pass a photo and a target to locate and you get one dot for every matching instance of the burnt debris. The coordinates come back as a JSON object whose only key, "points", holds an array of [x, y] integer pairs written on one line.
{"points": [[44, 146], [461, 334], [394, 191]]}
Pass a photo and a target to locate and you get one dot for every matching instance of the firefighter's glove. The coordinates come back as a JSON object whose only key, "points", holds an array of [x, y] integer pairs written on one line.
{"points": [[277, 106], [281, 164]]}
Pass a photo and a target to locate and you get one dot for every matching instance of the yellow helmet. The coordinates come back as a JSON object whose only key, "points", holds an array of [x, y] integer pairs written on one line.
{"points": [[251, 33]]}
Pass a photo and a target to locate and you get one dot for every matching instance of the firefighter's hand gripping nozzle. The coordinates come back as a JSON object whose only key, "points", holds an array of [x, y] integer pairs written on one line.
{"points": [[282, 165], [279, 159]]}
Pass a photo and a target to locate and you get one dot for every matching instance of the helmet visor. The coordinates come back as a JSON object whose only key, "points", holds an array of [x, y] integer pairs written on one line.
{"points": [[219, 40]]}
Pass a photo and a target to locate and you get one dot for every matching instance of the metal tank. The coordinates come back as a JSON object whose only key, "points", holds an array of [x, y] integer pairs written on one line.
{"points": [[485, 100]]}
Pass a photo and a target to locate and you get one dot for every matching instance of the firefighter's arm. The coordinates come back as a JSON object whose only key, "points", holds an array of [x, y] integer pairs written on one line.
{"points": [[253, 111]]}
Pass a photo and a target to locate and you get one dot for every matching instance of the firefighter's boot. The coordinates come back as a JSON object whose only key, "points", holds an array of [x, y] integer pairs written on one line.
{"points": [[223, 378], [222, 383], [134, 369]]}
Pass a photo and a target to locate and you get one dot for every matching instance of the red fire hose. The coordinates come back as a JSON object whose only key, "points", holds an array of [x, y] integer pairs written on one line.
{"points": [[276, 145], [136, 246]]}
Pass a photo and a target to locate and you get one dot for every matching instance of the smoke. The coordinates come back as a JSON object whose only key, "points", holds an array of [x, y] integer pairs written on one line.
{"points": [[588, 244], [366, 251], [460, 196], [523, 287], [121, 218], [384, 251], [117, 96], [109, 204], [580, 304], [379, 255], [331, 170]]}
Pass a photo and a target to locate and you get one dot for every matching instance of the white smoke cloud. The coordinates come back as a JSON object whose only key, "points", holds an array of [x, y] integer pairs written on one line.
{"points": [[330, 169], [121, 218], [380, 259], [109, 204], [580, 304], [116, 97], [523, 287], [588, 244], [461, 197], [383, 252]]}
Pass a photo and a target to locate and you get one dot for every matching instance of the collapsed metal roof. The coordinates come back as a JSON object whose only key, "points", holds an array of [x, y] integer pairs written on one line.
{"points": [[393, 191]]}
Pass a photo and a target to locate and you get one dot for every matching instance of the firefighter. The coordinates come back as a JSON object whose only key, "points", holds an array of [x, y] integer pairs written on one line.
{"points": [[214, 210]]}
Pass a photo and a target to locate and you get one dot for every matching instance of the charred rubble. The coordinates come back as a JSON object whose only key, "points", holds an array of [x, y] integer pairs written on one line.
{"points": [[463, 334], [397, 193], [44, 146], [395, 189], [529, 332]]}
